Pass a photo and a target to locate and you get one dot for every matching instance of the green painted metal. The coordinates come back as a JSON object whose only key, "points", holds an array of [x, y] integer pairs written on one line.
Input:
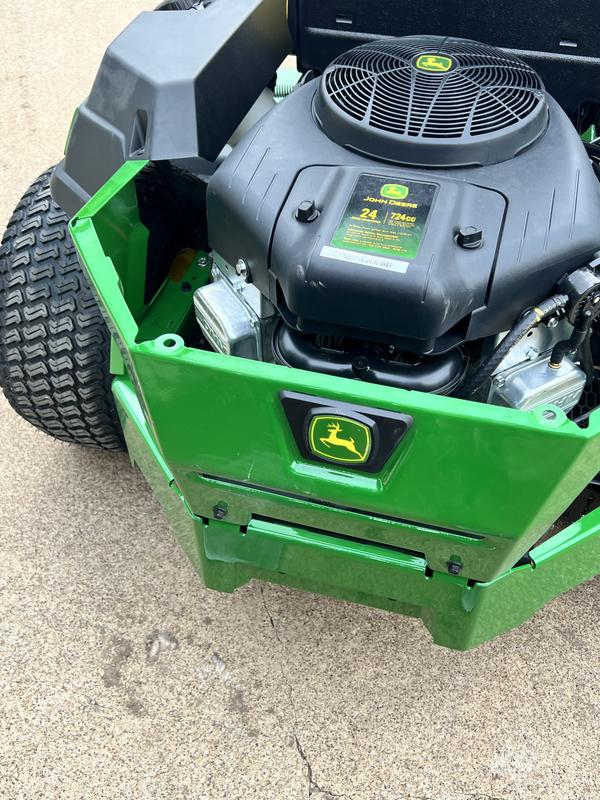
{"points": [[171, 311], [458, 614], [591, 135], [473, 484]]}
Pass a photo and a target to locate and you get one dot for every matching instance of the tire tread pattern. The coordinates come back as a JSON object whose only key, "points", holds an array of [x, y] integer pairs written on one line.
{"points": [[54, 343]]}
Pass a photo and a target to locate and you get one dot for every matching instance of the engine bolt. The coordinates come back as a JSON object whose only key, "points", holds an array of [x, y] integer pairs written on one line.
{"points": [[469, 237], [552, 322], [307, 211], [241, 268], [360, 367]]}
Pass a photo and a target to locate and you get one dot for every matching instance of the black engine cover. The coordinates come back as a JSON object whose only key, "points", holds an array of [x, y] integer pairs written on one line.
{"points": [[352, 272], [385, 258]]}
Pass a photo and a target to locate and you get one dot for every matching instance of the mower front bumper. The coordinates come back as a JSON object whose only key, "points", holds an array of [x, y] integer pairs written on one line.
{"points": [[471, 488], [458, 613]]}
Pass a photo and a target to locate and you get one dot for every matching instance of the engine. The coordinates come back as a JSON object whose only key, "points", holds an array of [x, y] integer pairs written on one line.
{"points": [[422, 215]]}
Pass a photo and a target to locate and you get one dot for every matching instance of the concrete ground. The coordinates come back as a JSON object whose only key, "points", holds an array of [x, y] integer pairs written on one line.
{"points": [[121, 677]]}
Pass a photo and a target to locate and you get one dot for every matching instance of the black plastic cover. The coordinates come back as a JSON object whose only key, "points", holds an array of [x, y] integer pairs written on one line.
{"points": [[386, 428], [432, 101], [357, 277], [174, 85], [538, 214], [561, 40]]}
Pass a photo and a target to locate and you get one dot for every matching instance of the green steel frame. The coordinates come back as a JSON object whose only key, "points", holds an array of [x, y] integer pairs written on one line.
{"points": [[471, 484]]}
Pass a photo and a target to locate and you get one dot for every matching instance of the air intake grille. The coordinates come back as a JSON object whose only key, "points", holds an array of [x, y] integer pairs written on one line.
{"points": [[479, 91]]}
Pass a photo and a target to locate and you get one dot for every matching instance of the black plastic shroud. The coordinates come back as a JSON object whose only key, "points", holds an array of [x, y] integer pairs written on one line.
{"points": [[561, 40], [538, 213]]}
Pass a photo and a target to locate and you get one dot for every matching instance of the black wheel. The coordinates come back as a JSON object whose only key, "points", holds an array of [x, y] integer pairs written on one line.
{"points": [[54, 344]]}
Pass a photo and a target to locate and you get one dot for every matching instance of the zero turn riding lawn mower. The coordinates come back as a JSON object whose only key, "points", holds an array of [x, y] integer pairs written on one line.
{"points": [[348, 323]]}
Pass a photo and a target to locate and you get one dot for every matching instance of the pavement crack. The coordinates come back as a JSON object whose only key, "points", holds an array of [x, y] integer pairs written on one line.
{"points": [[271, 620], [313, 787]]}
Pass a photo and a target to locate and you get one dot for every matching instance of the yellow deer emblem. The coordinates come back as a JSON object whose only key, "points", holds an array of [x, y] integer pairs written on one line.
{"points": [[334, 438], [430, 62], [339, 439]]}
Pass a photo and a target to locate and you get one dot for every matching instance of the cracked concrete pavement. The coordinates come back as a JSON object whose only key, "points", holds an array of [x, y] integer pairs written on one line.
{"points": [[121, 676]]}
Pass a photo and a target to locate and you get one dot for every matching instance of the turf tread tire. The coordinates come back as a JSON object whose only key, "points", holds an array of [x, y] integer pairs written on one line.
{"points": [[54, 343]]}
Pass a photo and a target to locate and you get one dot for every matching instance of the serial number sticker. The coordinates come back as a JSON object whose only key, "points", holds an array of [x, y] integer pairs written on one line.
{"points": [[385, 219], [364, 258]]}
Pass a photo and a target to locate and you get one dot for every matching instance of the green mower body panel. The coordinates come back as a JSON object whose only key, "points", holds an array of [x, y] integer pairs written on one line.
{"points": [[445, 530]]}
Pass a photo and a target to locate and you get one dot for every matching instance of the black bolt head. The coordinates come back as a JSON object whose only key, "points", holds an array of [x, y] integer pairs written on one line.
{"points": [[307, 211], [360, 366], [470, 237]]}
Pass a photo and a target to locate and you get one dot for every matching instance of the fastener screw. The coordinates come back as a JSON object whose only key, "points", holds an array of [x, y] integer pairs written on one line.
{"points": [[307, 211], [469, 237], [220, 511], [241, 268]]}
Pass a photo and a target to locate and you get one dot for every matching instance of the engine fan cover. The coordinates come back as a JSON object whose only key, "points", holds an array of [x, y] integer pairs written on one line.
{"points": [[432, 101]]}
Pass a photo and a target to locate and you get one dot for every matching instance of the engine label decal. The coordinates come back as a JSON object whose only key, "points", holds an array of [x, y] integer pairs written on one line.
{"points": [[384, 223], [364, 258]]}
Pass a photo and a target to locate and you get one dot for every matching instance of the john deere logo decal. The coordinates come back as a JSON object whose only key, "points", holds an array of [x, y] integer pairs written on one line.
{"points": [[340, 439], [429, 62], [395, 191], [342, 434]]}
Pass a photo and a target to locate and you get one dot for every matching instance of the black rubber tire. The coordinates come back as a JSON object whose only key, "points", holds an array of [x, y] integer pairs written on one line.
{"points": [[54, 343]]}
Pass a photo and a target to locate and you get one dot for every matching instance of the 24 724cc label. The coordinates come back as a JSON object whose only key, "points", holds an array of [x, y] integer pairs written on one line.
{"points": [[383, 223]]}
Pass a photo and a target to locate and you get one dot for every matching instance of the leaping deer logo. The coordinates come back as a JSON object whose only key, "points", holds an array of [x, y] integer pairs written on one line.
{"points": [[335, 439], [431, 62], [339, 439]]}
